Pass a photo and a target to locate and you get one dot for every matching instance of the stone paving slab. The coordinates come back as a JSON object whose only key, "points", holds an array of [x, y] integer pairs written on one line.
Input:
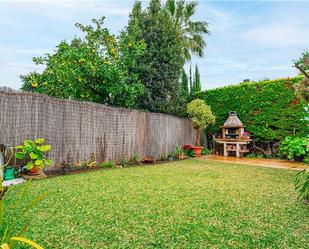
{"points": [[270, 163], [13, 182]]}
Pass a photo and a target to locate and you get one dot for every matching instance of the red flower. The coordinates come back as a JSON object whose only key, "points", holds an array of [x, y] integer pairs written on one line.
{"points": [[187, 147]]}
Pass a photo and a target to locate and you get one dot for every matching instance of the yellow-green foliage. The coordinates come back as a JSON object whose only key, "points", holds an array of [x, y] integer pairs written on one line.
{"points": [[269, 109], [200, 113]]}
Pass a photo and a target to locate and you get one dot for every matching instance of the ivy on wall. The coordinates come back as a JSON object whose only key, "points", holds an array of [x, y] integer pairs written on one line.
{"points": [[269, 109]]}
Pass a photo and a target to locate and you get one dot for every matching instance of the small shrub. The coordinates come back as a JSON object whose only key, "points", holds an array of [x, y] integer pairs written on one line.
{"points": [[86, 164], [123, 162], [253, 155], [163, 157], [134, 159], [294, 147], [65, 167], [108, 164], [188, 150], [179, 152], [206, 152]]}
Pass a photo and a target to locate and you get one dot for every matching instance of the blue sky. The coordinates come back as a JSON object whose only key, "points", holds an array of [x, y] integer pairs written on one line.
{"points": [[249, 39]]}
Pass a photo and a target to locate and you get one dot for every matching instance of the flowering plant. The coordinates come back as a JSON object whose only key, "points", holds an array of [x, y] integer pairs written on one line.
{"points": [[187, 147], [245, 135]]}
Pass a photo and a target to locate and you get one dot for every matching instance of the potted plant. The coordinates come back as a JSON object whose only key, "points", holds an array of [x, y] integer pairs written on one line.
{"points": [[188, 151], [171, 156], [34, 153], [201, 116], [179, 152], [245, 136]]}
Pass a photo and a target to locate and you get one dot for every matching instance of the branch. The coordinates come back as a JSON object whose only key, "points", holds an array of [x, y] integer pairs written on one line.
{"points": [[260, 149], [306, 60], [302, 71]]}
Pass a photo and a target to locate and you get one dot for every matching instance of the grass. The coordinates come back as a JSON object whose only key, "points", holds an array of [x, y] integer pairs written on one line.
{"points": [[187, 204]]}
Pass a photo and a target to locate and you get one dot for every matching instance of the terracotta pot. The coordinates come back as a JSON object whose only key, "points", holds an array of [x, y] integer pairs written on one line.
{"points": [[197, 150], [181, 156], [35, 170]]}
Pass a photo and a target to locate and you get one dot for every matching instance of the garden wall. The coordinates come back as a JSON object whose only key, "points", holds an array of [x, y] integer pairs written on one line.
{"points": [[77, 130]]}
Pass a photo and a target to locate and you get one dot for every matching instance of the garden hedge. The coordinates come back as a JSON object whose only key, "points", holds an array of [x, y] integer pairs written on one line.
{"points": [[269, 109]]}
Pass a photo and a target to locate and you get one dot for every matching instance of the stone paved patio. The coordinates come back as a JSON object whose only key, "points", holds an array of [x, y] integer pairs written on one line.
{"points": [[13, 182], [270, 163]]}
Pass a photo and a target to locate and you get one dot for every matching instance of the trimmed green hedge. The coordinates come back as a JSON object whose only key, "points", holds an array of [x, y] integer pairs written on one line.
{"points": [[268, 109]]}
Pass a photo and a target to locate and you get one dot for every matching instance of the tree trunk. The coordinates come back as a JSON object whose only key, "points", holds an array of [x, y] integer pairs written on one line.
{"points": [[198, 136]]}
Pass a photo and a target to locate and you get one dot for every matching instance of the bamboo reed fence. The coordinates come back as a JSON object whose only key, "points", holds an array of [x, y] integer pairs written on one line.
{"points": [[80, 130]]}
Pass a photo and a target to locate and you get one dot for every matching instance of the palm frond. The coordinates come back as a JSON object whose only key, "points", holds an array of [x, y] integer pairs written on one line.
{"points": [[171, 7], [198, 27], [27, 241], [190, 9]]}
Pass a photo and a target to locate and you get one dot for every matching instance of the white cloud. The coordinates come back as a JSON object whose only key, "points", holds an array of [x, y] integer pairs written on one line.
{"points": [[285, 33]]}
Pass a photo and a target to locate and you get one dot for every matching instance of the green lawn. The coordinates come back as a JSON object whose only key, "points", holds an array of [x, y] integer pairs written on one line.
{"points": [[187, 204]]}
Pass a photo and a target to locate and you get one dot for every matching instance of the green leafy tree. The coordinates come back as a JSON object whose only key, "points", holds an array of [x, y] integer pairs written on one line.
{"points": [[190, 33], [160, 66], [196, 87], [95, 68], [201, 116], [303, 61]]}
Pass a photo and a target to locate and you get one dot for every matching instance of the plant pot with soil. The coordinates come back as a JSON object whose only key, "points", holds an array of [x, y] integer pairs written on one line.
{"points": [[197, 150], [201, 117], [34, 152], [179, 152], [171, 156]]}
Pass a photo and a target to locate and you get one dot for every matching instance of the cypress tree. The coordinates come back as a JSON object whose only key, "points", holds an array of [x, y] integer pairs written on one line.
{"points": [[160, 66], [190, 78], [184, 84], [196, 81]]}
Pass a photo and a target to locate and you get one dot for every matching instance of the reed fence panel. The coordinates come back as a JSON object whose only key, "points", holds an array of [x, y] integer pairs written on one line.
{"points": [[80, 130]]}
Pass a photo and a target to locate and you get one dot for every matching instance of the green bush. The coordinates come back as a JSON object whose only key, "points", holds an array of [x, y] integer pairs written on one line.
{"points": [[294, 147], [269, 109], [206, 152], [108, 164]]}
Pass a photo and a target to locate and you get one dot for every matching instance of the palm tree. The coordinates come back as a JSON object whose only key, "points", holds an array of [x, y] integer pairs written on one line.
{"points": [[191, 33]]}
